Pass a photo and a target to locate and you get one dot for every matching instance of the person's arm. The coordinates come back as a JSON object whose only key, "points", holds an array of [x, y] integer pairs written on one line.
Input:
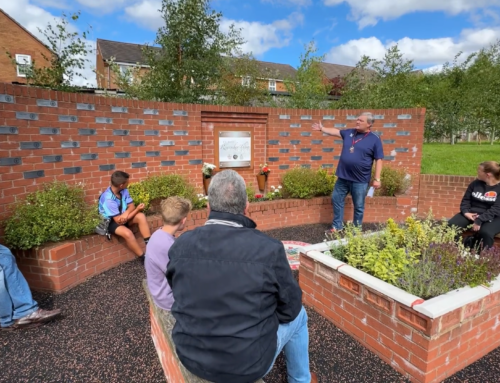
{"points": [[378, 156], [378, 170], [330, 131], [289, 292], [133, 213], [127, 214]]}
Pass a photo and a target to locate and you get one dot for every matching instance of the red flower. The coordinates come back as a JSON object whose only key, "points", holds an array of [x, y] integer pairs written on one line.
{"points": [[258, 196], [265, 170]]}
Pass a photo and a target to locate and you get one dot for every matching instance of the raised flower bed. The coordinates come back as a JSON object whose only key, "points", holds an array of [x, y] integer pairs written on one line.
{"points": [[425, 340]]}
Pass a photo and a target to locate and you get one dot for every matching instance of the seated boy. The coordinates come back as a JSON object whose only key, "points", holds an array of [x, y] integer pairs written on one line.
{"points": [[116, 204], [174, 211]]}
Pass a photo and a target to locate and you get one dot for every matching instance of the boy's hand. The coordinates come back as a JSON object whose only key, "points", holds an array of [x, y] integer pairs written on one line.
{"points": [[140, 207]]}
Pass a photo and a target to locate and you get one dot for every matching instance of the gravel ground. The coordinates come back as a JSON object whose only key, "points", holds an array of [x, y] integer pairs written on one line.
{"points": [[104, 336]]}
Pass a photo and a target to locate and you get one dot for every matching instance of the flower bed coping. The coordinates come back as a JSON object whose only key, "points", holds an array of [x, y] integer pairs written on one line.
{"points": [[162, 324], [425, 340], [57, 267]]}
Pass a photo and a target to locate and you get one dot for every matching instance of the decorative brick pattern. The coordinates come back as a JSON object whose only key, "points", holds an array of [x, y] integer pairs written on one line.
{"points": [[150, 139]]}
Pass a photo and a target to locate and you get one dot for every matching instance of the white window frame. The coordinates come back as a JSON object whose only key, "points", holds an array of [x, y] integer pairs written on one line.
{"points": [[22, 61], [272, 85], [127, 69], [245, 81]]}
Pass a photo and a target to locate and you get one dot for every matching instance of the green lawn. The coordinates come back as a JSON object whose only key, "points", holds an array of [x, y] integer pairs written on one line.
{"points": [[460, 159]]}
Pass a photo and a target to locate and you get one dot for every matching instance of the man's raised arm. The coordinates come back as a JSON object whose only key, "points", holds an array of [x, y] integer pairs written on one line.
{"points": [[330, 131]]}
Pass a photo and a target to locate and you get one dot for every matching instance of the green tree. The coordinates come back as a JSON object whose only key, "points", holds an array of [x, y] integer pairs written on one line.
{"points": [[309, 88], [482, 91], [188, 59], [70, 51], [240, 82]]}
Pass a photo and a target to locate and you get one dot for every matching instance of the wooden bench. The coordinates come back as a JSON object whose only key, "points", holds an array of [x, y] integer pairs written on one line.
{"points": [[496, 243], [162, 323]]}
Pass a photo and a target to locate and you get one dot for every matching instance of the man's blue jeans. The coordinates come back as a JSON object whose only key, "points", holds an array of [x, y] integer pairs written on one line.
{"points": [[293, 337], [16, 300], [358, 192]]}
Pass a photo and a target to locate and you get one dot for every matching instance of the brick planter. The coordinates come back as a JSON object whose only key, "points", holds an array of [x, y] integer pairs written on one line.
{"points": [[427, 341], [61, 266]]}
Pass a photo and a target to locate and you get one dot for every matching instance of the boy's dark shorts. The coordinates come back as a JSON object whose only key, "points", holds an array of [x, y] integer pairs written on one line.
{"points": [[113, 226]]}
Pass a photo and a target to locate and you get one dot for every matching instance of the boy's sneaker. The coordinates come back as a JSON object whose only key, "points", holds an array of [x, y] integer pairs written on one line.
{"points": [[38, 316]]}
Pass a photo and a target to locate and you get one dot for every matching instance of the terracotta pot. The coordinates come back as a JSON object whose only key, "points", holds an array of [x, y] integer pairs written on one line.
{"points": [[261, 181], [206, 183]]}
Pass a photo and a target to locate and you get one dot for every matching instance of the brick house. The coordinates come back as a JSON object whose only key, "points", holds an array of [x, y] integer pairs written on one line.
{"points": [[24, 47], [127, 55]]}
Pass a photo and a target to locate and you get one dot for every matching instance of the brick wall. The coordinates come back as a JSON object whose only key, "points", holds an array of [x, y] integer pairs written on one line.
{"points": [[425, 350], [442, 194], [48, 135], [16, 40]]}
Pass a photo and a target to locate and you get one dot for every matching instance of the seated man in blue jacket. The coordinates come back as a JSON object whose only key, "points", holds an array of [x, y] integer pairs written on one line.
{"points": [[236, 302]]}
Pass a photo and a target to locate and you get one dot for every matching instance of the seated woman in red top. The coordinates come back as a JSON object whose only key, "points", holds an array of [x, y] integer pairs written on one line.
{"points": [[481, 204]]}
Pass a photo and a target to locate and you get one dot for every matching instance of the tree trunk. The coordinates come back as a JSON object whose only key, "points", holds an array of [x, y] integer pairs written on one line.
{"points": [[492, 137]]}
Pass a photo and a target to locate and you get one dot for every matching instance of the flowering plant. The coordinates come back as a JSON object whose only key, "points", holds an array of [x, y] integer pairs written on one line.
{"points": [[264, 170], [275, 193], [207, 169]]}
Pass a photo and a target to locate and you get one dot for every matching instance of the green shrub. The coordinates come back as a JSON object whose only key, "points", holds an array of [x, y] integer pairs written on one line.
{"points": [[326, 182], [54, 213], [159, 187], [307, 183], [251, 193], [394, 181], [139, 194]]}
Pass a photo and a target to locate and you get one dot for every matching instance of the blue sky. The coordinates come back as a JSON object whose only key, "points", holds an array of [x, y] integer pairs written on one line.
{"points": [[430, 32]]}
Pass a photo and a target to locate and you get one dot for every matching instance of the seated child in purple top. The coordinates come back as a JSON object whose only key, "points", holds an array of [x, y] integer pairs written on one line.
{"points": [[174, 211]]}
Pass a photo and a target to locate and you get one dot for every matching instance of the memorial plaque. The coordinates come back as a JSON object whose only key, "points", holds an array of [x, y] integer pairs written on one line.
{"points": [[106, 168], [136, 165], [34, 174], [181, 152], [284, 116], [31, 145], [70, 144], [7, 98], [167, 143], [153, 154], [105, 144], [87, 132], [50, 159], [80, 106], [166, 122], [89, 156], [135, 121], [330, 117], [137, 143], [151, 132], [122, 155], [150, 111], [27, 116], [120, 132], [8, 130], [103, 120], [47, 103], [180, 113], [10, 161], [64, 118], [119, 109], [50, 131], [180, 133], [73, 170], [195, 162]]}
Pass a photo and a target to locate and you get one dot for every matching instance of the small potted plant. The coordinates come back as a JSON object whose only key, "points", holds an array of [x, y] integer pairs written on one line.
{"points": [[262, 176], [207, 171]]}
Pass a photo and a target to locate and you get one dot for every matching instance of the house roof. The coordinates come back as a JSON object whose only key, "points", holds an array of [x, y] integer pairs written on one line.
{"points": [[132, 54], [128, 53], [275, 70], [335, 70], [24, 29]]}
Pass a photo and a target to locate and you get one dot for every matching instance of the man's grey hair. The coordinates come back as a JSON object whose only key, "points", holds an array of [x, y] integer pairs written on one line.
{"points": [[369, 117], [227, 193]]}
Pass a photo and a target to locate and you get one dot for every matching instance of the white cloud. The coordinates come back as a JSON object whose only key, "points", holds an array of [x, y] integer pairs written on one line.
{"points": [[429, 52], [32, 17], [261, 37], [146, 14], [104, 6], [367, 13]]}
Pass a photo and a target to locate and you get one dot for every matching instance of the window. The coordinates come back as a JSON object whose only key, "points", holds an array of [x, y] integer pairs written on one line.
{"points": [[126, 71], [272, 85], [245, 81], [23, 65]]}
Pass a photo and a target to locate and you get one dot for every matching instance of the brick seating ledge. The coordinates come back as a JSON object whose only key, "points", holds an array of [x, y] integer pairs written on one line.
{"points": [[161, 330]]}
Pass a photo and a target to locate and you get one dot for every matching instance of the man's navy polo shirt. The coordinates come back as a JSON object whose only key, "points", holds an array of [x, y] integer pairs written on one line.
{"points": [[357, 166]]}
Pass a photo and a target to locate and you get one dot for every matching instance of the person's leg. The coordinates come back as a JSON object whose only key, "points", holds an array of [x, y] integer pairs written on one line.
{"points": [[358, 193], [460, 221], [129, 238], [340, 191], [16, 300], [141, 221], [487, 232], [293, 338]]}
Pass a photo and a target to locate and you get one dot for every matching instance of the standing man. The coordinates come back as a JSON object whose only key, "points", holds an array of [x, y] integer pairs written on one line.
{"points": [[360, 149], [236, 302]]}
